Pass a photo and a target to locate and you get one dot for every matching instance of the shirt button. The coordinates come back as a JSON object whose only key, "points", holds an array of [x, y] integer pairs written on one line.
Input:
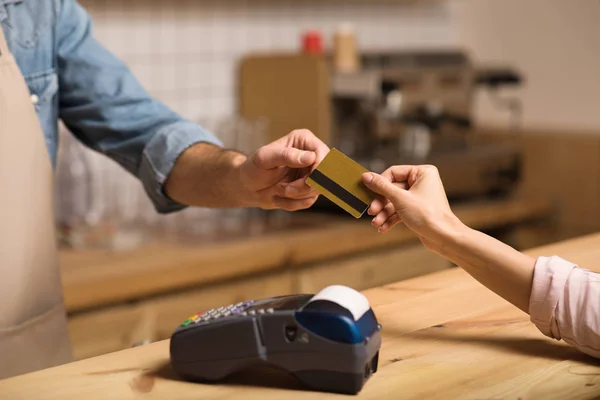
{"points": [[35, 99]]}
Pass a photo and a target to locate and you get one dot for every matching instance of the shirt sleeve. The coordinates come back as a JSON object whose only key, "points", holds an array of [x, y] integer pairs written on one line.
{"points": [[565, 303], [105, 107]]}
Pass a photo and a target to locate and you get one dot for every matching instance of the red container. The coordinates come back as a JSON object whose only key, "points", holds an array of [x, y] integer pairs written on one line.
{"points": [[312, 42]]}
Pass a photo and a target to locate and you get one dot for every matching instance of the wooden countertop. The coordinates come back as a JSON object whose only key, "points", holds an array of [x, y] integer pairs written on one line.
{"points": [[444, 336], [94, 278]]}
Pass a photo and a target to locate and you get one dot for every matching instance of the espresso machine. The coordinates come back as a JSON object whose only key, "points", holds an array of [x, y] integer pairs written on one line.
{"points": [[416, 108]]}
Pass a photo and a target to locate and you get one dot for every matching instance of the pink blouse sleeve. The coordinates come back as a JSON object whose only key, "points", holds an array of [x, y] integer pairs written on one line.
{"points": [[565, 303]]}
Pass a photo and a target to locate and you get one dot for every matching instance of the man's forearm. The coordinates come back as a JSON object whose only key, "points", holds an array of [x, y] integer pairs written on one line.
{"points": [[208, 176], [502, 269]]}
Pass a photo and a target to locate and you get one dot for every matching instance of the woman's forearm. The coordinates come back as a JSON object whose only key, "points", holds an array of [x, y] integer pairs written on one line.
{"points": [[499, 267], [563, 298]]}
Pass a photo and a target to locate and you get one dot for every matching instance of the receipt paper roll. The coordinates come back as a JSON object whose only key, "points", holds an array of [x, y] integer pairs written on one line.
{"points": [[346, 297]]}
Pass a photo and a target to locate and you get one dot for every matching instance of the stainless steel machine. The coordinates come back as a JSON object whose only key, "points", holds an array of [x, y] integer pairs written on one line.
{"points": [[416, 108]]}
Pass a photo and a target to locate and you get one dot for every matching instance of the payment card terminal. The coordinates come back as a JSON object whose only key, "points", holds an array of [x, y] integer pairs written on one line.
{"points": [[330, 340]]}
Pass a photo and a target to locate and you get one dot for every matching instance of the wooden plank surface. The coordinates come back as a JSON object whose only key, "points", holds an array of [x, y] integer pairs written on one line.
{"points": [[445, 336], [93, 277]]}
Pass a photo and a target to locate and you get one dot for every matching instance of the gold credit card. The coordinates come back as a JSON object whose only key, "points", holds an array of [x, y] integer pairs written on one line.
{"points": [[339, 178]]}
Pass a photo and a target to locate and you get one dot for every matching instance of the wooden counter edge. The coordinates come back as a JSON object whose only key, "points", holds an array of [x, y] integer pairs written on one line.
{"points": [[95, 278]]}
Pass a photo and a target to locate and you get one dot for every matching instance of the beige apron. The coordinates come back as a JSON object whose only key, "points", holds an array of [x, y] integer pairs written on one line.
{"points": [[33, 327]]}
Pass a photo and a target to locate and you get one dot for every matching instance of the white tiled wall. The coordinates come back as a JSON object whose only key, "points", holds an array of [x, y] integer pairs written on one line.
{"points": [[185, 53], [553, 43]]}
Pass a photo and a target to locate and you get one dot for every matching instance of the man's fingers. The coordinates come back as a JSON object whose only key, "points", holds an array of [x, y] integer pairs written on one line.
{"points": [[294, 205], [305, 139], [294, 191], [272, 156]]}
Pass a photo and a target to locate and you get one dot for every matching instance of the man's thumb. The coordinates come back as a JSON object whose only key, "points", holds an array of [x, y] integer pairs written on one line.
{"points": [[269, 157]]}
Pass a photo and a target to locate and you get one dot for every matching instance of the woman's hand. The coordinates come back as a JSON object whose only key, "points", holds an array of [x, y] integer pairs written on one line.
{"points": [[415, 196]]}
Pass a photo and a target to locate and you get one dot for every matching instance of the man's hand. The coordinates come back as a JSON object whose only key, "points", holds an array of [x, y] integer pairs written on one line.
{"points": [[272, 177], [276, 173]]}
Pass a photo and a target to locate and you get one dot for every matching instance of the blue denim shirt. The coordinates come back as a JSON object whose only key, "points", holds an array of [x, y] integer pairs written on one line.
{"points": [[94, 94]]}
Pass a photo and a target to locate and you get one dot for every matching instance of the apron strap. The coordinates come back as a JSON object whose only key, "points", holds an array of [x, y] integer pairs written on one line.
{"points": [[3, 46]]}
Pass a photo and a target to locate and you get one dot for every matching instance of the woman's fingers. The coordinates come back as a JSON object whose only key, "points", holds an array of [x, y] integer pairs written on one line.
{"points": [[398, 173], [377, 205], [390, 223], [384, 187], [383, 215]]}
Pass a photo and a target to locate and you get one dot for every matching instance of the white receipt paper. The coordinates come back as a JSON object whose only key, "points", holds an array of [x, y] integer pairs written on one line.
{"points": [[350, 299]]}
